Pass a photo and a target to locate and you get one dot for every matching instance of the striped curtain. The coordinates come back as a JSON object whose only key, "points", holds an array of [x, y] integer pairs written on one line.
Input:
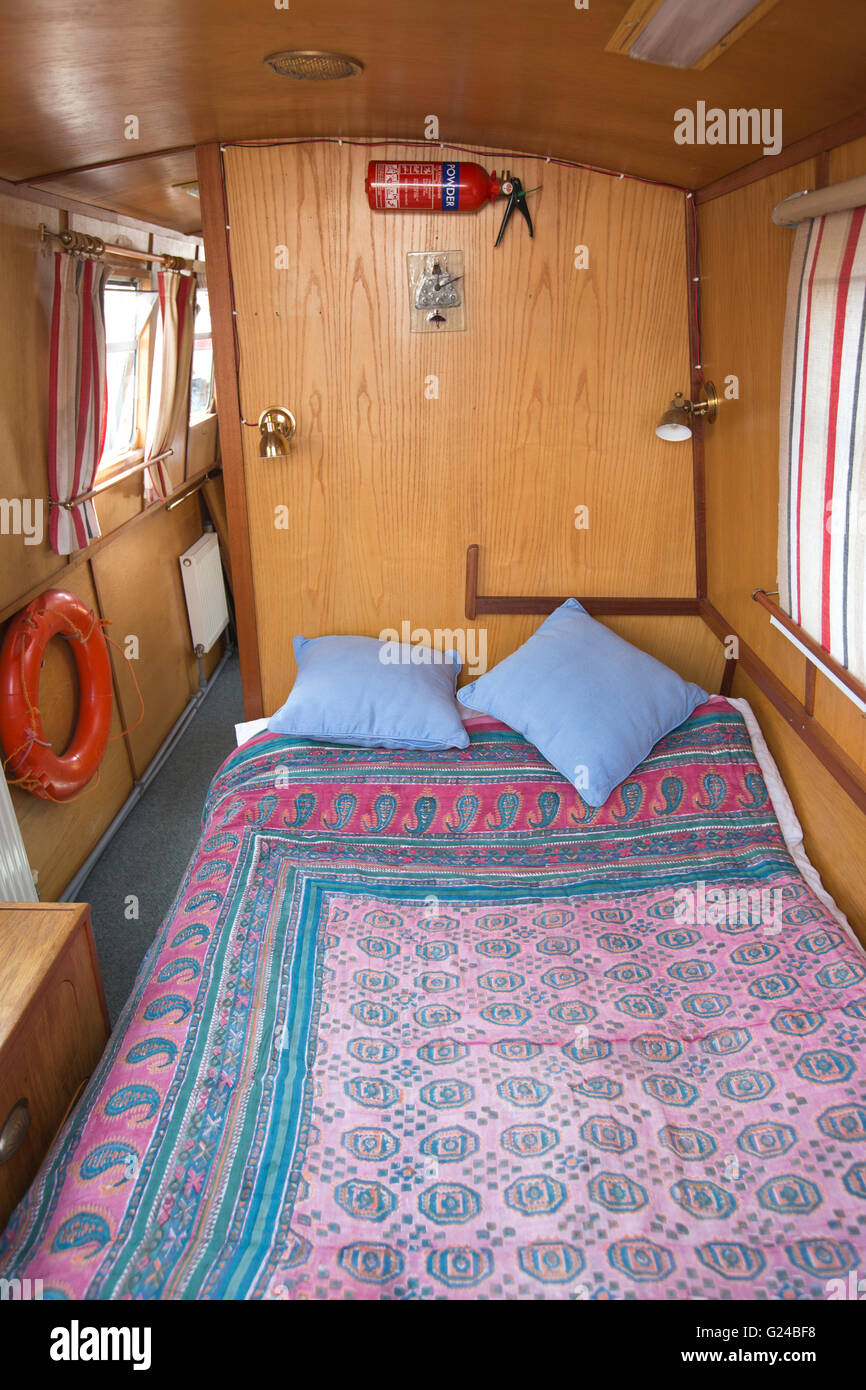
{"points": [[822, 495], [169, 382], [77, 407]]}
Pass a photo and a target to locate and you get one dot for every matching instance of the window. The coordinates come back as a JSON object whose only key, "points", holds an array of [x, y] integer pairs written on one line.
{"points": [[128, 308], [822, 539], [201, 390]]}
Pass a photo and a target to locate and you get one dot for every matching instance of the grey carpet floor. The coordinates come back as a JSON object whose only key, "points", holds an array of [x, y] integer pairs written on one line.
{"points": [[151, 850]]}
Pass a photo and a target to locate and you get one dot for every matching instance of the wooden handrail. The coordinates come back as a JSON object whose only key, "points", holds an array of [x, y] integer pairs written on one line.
{"points": [[822, 657], [829, 753], [598, 607]]}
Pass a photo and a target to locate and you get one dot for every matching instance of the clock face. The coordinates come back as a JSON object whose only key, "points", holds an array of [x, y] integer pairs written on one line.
{"points": [[436, 289]]}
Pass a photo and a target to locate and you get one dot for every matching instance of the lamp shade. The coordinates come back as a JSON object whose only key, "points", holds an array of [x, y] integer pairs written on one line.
{"points": [[277, 427], [674, 424]]}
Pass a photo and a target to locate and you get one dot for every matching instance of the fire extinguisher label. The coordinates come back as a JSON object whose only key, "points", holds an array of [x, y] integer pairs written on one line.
{"points": [[390, 195], [450, 187]]}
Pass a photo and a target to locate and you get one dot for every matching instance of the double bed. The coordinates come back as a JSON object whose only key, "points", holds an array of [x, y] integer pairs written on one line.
{"points": [[425, 1025]]}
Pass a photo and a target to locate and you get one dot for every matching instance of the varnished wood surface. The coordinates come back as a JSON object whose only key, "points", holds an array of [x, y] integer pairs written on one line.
{"points": [[793, 709], [547, 401], [231, 431], [533, 76], [166, 668], [53, 1025], [602, 606], [831, 140], [834, 830]]}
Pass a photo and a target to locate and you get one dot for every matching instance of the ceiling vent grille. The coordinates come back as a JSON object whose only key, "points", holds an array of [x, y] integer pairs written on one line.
{"points": [[308, 65]]}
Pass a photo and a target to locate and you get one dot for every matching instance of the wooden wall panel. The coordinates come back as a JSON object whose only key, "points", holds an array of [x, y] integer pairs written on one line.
{"points": [[847, 161], [834, 830], [58, 838], [166, 670], [25, 298], [744, 261], [744, 266], [686, 644], [546, 402], [202, 445]]}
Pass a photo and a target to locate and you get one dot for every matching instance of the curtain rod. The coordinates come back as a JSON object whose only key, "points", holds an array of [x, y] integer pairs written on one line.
{"points": [[115, 478], [80, 243], [812, 650], [838, 197]]}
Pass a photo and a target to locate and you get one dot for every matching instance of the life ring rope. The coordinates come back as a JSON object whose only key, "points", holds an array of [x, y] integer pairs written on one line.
{"points": [[28, 625]]}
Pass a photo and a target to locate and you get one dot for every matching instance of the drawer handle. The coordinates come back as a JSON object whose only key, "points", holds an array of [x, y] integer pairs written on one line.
{"points": [[15, 1126]]}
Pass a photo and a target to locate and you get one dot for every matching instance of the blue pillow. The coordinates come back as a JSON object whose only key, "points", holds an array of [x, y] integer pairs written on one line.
{"points": [[590, 702], [374, 694]]}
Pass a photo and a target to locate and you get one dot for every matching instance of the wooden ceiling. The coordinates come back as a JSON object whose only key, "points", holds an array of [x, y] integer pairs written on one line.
{"points": [[511, 74]]}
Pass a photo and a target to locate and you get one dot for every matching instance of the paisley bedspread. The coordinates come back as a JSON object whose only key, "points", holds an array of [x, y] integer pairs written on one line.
{"points": [[423, 1025]]}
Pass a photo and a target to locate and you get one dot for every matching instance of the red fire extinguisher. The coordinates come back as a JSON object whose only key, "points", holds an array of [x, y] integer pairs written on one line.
{"points": [[432, 187], [455, 187]]}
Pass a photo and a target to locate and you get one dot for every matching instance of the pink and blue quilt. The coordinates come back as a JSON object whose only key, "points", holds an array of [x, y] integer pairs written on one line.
{"points": [[426, 1026]]}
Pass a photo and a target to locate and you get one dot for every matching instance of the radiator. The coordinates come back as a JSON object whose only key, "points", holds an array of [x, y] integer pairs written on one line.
{"points": [[16, 880], [204, 588]]}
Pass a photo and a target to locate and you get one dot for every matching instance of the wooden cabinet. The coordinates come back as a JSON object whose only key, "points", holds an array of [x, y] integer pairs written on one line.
{"points": [[53, 1028]]}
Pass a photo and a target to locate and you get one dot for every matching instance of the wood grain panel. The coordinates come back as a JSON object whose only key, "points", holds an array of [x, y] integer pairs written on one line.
{"points": [[203, 446], [231, 430], [25, 299], [166, 670], [685, 644], [744, 266], [546, 402], [834, 830], [58, 838], [847, 161]]}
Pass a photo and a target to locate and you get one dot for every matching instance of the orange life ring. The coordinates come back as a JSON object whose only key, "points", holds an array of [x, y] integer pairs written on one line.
{"points": [[31, 760]]}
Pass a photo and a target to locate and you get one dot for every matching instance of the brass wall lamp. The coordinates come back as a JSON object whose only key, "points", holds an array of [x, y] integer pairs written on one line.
{"points": [[277, 426], [676, 421]]}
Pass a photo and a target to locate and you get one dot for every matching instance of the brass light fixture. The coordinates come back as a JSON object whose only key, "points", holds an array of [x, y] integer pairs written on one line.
{"points": [[676, 421], [277, 427]]}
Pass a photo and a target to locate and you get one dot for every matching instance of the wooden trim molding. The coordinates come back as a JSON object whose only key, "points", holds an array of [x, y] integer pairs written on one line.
{"points": [[827, 139], [84, 556], [850, 777], [477, 604], [74, 207], [822, 657], [728, 674], [699, 488], [208, 160]]}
